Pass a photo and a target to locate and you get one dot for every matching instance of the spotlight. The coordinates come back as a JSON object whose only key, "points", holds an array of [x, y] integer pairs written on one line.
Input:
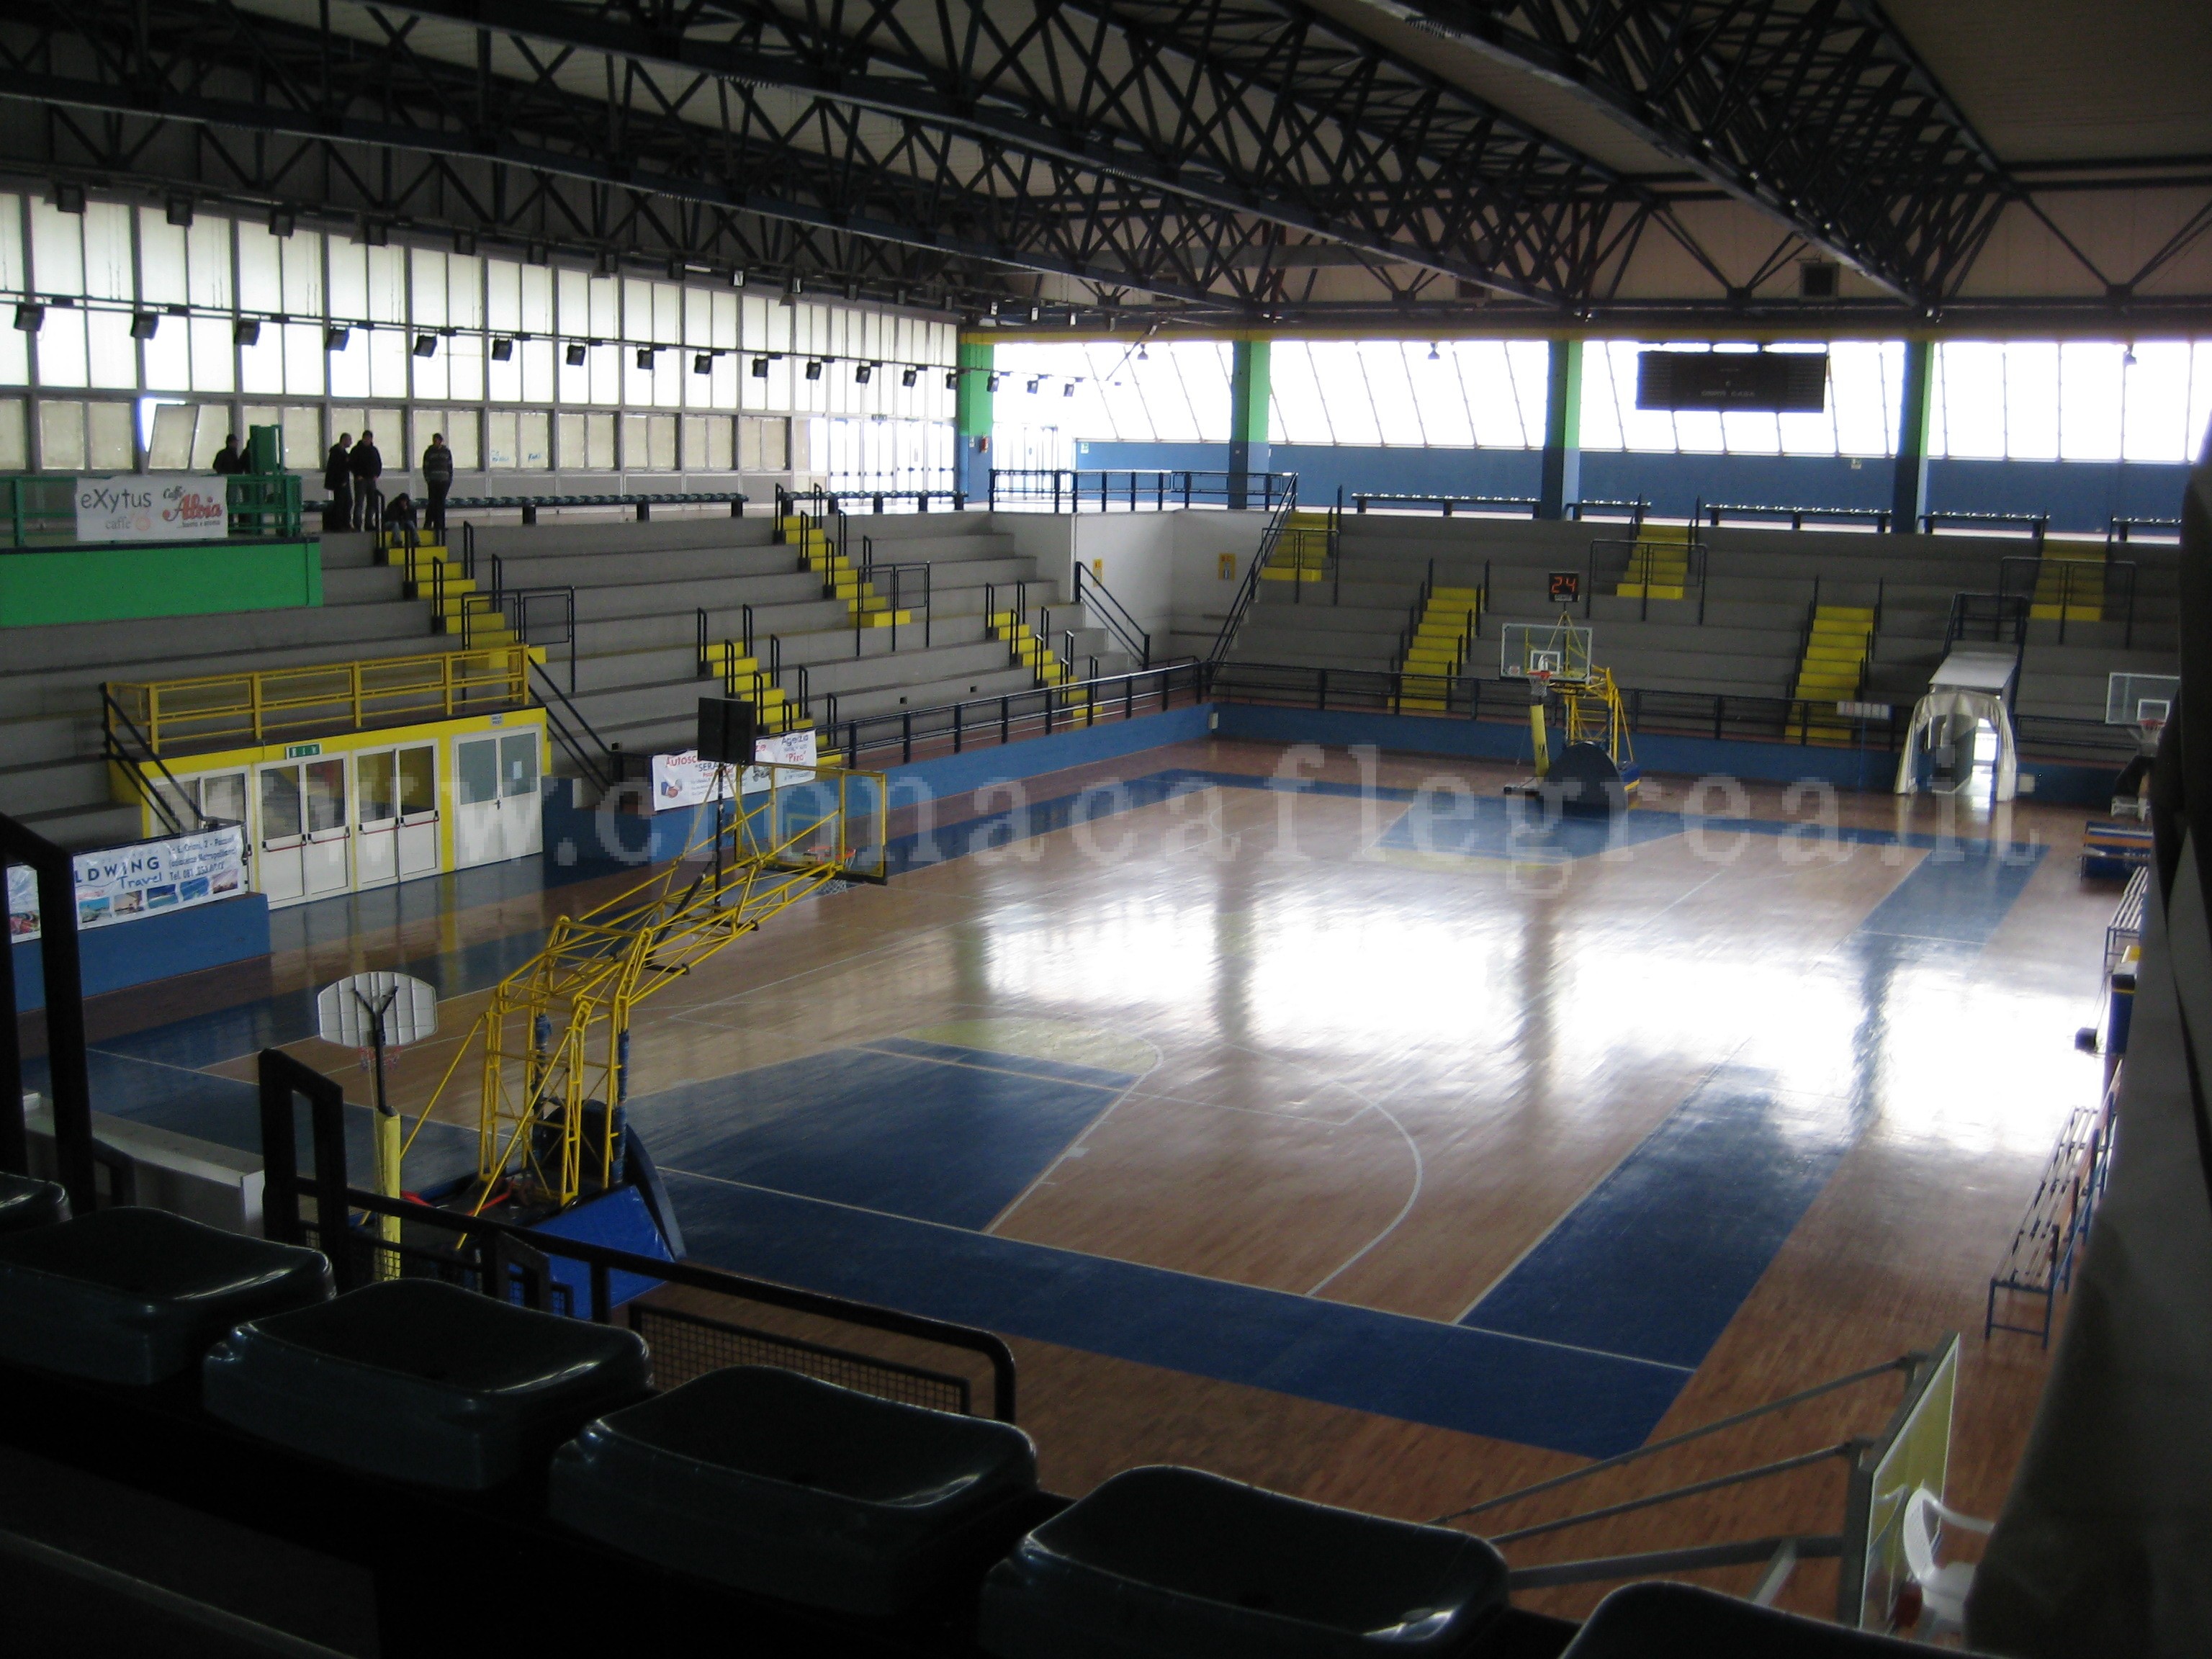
{"points": [[426, 345], [864, 373], [992, 384], [30, 318], [1034, 383], [247, 331], [737, 277], [677, 268], [952, 380], [372, 233], [609, 262], [1068, 391], [703, 362], [1434, 354], [501, 351], [814, 370], [1035, 313], [282, 221], [1143, 356], [798, 283], [760, 369], [334, 339], [533, 253], [465, 242], [574, 356], [143, 324], [645, 357], [180, 210], [69, 198], [908, 377], [851, 290]]}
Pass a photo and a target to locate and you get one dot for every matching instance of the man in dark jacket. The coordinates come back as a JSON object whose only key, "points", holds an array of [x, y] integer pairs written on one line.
{"points": [[227, 459], [366, 466], [337, 479], [437, 480]]}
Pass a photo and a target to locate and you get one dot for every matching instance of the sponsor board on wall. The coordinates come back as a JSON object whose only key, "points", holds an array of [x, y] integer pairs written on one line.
{"points": [[124, 884], [685, 780], [152, 507]]}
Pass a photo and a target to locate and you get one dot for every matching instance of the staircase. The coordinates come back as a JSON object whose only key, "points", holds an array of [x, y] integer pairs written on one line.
{"points": [[1832, 670], [2069, 584], [864, 606], [1658, 563], [1302, 549], [1438, 647], [457, 605], [742, 678], [1034, 655]]}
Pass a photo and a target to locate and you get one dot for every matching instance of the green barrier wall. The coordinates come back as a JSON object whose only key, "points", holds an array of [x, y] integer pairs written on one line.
{"points": [[111, 584]]}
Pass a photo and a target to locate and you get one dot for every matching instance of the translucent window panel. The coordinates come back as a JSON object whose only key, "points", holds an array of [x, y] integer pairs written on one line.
{"points": [[2156, 411], [61, 435], [572, 291], [387, 362], [111, 437], [303, 437], [721, 443], [635, 443], [636, 309], [110, 355], [14, 436], [261, 364], [573, 381], [281, 816], [2200, 401], [667, 313], [427, 288], [387, 284], [418, 779], [1297, 412], [1382, 362], [302, 257], [56, 249], [465, 366], [61, 348], [1652, 431], [169, 445], [349, 281], [421, 424], [606, 299], [255, 415], [1530, 361], [326, 795], [1809, 433], [533, 438], [476, 770], [12, 270], [1438, 395], [538, 372], [660, 443], [207, 262], [377, 785], [1750, 432], [518, 763], [724, 383], [161, 260], [722, 321], [752, 323], [2090, 380], [503, 381], [2031, 407], [499, 439], [587, 443], [464, 298], [671, 369], [222, 796], [638, 383], [14, 357], [433, 376], [168, 357], [461, 438], [537, 299], [1600, 421], [1485, 384], [208, 432], [698, 308], [502, 296], [260, 270], [1971, 374], [1348, 411], [1698, 432], [348, 367], [107, 256], [1866, 394], [606, 362]]}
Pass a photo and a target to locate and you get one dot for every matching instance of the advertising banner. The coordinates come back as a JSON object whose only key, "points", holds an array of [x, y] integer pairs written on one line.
{"points": [[123, 883], [152, 507], [685, 780]]}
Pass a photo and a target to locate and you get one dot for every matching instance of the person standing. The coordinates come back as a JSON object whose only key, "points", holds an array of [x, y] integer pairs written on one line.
{"points": [[366, 466], [227, 459], [437, 480], [337, 479]]}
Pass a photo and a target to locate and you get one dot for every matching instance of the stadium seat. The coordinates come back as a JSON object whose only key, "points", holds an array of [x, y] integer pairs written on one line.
{"points": [[1173, 1561], [137, 1297], [423, 1381], [26, 1203], [766, 1480], [1660, 1620]]}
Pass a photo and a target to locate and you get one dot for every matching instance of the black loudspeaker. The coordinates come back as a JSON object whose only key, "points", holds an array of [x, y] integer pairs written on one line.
{"points": [[727, 730]]}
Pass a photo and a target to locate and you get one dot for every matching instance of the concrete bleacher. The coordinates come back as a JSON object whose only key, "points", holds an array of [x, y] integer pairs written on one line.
{"points": [[53, 773], [1742, 635], [639, 588]]}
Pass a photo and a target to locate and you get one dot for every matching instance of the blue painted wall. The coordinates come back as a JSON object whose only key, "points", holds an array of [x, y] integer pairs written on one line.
{"points": [[154, 947], [2079, 495]]}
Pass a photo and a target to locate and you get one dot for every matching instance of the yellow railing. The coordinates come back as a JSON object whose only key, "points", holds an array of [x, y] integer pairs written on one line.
{"points": [[271, 705]]}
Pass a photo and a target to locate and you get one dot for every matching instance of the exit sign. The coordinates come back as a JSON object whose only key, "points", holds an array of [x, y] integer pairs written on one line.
{"points": [[301, 751]]}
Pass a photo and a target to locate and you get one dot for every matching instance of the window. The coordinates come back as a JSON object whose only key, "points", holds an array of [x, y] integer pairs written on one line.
{"points": [[14, 449], [587, 443], [648, 443], [708, 443], [764, 444]]}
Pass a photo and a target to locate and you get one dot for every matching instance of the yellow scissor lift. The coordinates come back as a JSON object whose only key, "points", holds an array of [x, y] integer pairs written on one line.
{"points": [[553, 1043]]}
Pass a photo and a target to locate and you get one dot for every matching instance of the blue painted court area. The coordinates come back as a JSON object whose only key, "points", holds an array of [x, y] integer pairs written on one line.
{"points": [[923, 1130], [1513, 827]]}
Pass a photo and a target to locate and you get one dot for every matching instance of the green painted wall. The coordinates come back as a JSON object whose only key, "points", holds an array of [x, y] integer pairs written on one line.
{"points": [[112, 584]]}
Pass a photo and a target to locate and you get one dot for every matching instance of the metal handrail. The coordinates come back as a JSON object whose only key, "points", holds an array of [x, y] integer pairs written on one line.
{"points": [[572, 744], [1250, 586], [1062, 489], [1114, 614], [1049, 708], [132, 766]]}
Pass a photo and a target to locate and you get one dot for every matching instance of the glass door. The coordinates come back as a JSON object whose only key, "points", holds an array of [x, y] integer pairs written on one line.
{"points": [[282, 834], [477, 838], [521, 814], [326, 864], [376, 793], [416, 766]]}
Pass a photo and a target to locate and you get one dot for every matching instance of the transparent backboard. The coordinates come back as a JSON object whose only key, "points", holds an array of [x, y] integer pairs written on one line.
{"points": [[2140, 699], [1562, 648]]}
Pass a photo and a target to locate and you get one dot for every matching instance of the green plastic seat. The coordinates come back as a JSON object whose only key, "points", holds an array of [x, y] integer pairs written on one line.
{"points": [[1163, 1562], [423, 1381], [137, 1297], [766, 1480], [26, 1202]]}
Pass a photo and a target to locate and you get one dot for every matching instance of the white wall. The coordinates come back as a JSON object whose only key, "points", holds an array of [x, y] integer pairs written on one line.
{"points": [[1133, 555], [1212, 550]]}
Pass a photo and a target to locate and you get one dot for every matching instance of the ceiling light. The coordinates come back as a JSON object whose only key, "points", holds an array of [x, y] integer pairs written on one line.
{"points": [[247, 331], [282, 221], [1434, 354], [574, 356], [426, 345], [760, 369], [143, 324], [645, 357], [798, 283], [952, 380], [737, 277], [814, 370], [864, 373], [69, 198], [1068, 391], [909, 376], [30, 318], [703, 362], [180, 210], [334, 339], [464, 243], [501, 351]]}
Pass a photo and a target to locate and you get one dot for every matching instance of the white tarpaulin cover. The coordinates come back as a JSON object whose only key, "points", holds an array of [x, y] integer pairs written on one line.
{"points": [[1959, 707]]}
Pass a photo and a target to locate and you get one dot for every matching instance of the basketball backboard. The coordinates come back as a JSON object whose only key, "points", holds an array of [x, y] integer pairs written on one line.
{"points": [[2140, 700], [1561, 649]]}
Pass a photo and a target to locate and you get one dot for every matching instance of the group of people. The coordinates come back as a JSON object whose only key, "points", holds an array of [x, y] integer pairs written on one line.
{"points": [[350, 474]]}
